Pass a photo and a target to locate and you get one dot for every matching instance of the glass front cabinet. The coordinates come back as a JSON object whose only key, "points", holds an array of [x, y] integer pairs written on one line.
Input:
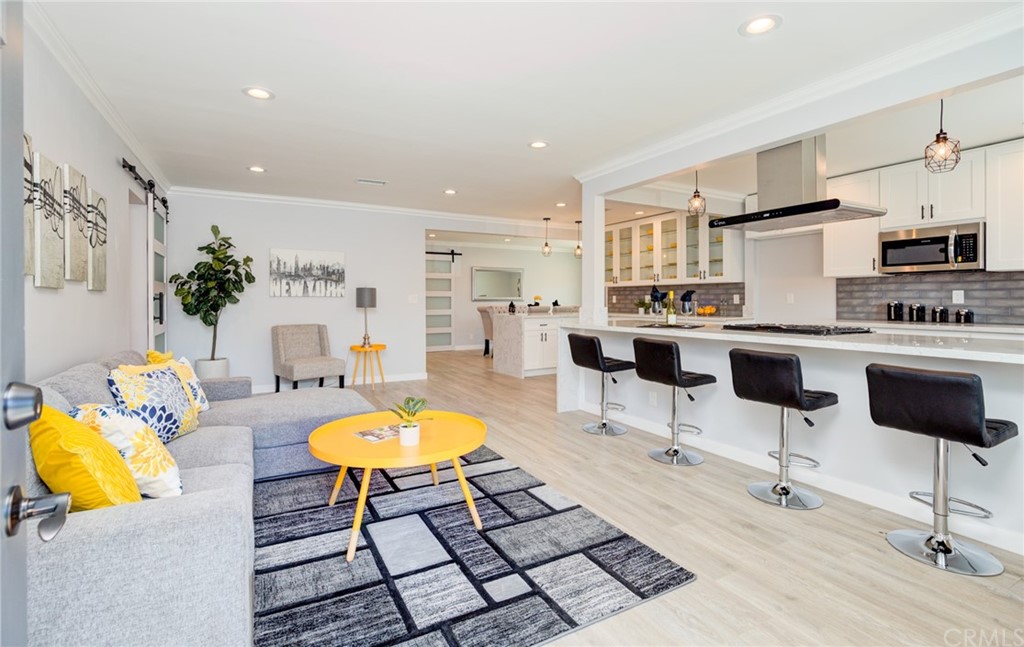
{"points": [[644, 252]]}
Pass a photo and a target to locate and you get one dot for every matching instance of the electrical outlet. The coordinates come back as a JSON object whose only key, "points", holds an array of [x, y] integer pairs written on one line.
{"points": [[790, 297], [736, 299], [615, 299], [652, 398], [958, 296]]}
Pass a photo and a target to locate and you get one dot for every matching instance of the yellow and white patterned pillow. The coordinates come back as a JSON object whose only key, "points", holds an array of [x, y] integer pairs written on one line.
{"points": [[152, 466], [184, 369], [70, 457], [157, 396]]}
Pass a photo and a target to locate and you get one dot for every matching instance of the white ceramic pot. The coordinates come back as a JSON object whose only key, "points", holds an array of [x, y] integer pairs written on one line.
{"points": [[409, 435], [639, 311], [210, 368]]}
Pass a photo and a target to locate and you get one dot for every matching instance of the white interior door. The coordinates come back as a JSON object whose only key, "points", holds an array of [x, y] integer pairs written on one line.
{"points": [[440, 303], [157, 261], [12, 313]]}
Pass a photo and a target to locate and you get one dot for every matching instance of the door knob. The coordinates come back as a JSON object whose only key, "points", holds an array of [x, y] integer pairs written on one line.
{"points": [[23, 404], [52, 508]]}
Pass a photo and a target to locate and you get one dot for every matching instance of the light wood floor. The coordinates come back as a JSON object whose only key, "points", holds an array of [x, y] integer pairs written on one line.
{"points": [[765, 576]]}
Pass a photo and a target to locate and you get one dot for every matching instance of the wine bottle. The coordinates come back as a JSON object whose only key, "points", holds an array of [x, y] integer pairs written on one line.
{"points": [[670, 311]]}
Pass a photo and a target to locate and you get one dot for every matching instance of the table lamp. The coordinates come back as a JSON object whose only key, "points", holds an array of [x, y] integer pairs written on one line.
{"points": [[366, 298]]}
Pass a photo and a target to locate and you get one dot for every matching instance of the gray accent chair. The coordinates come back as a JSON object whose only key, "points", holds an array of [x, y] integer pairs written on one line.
{"points": [[303, 352]]}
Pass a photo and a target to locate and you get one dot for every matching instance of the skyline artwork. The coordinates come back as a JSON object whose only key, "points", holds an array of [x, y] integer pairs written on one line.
{"points": [[306, 273]]}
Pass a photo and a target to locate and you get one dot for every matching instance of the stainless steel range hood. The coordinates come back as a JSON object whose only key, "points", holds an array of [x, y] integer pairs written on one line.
{"points": [[791, 192]]}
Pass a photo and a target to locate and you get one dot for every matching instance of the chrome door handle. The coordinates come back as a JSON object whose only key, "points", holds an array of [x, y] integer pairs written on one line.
{"points": [[52, 509], [951, 249], [23, 404]]}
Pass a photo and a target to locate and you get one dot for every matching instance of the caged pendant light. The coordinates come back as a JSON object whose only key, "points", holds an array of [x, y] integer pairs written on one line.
{"points": [[696, 205], [579, 241], [546, 249], [943, 154]]}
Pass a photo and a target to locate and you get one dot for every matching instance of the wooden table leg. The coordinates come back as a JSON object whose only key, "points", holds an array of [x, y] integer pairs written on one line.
{"points": [[357, 521], [373, 381], [337, 486], [433, 472], [364, 367], [465, 492], [355, 371], [380, 366]]}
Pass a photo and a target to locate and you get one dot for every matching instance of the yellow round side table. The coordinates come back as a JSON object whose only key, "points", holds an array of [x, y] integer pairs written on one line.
{"points": [[363, 353]]}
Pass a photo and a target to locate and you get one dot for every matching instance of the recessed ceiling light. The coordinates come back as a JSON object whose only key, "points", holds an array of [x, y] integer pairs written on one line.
{"points": [[450, 191], [257, 169], [370, 182], [432, 235], [559, 204], [508, 240], [760, 25], [638, 213], [258, 93], [538, 144]]}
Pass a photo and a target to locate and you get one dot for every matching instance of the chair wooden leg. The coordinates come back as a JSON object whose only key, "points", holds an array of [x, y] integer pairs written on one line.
{"points": [[295, 384], [277, 384], [321, 383]]}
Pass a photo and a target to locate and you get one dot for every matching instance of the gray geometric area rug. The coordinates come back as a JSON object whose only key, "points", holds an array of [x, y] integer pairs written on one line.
{"points": [[423, 576]]}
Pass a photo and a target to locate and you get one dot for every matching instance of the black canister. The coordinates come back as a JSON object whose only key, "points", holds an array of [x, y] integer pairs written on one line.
{"points": [[963, 315], [940, 314], [894, 311], [917, 312]]}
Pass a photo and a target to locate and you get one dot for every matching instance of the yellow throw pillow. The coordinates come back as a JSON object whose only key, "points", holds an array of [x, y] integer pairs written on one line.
{"points": [[70, 457], [156, 357], [154, 469]]}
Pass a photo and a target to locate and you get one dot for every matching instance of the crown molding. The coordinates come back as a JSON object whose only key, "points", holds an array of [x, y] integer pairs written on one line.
{"points": [[40, 22], [978, 32], [355, 206]]}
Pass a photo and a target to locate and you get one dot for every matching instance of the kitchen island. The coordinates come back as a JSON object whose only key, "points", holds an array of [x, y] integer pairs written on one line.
{"points": [[859, 460]]}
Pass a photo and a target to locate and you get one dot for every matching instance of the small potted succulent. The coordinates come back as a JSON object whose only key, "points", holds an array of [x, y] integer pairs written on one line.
{"points": [[641, 306], [409, 430]]}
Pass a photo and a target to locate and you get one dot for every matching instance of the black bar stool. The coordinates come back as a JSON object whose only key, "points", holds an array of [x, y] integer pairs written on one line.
{"points": [[658, 361], [776, 378], [586, 353], [949, 407]]}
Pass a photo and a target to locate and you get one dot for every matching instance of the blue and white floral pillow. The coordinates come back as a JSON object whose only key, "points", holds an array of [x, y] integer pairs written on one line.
{"points": [[157, 397]]}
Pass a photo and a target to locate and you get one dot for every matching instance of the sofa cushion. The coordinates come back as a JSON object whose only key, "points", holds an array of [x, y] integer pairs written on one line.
{"points": [[55, 399], [129, 357], [213, 446], [288, 417], [85, 383], [71, 457], [157, 396], [151, 465], [234, 478]]}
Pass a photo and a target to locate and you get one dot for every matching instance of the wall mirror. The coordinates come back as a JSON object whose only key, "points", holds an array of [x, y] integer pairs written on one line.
{"points": [[497, 283]]}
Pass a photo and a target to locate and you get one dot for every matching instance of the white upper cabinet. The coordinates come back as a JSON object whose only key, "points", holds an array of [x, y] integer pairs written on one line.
{"points": [[1004, 199], [712, 255], [916, 197], [644, 252], [619, 254], [851, 247]]}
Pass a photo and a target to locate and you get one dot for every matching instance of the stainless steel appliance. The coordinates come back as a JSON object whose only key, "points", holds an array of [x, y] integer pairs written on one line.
{"points": [[963, 315], [798, 329], [940, 314], [894, 311], [932, 249], [917, 312]]}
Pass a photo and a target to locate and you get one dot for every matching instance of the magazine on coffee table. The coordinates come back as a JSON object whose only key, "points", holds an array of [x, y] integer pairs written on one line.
{"points": [[380, 433]]}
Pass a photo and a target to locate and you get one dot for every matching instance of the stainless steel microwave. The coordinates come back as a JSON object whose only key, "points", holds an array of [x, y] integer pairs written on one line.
{"points": [[932, 249]]}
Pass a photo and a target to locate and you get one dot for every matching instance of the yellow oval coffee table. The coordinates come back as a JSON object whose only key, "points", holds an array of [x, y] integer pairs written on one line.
{"points": [[444, 435]]}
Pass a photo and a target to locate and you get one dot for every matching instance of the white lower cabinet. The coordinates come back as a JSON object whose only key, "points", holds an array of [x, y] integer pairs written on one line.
{"points": [[527, 345], [540, 348]]}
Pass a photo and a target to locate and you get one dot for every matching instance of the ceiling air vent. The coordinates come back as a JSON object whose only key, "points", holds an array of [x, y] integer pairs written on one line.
{"points": [[370, 182]]}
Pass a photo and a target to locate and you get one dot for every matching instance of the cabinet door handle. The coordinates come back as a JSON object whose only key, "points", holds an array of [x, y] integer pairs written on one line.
{"points": [[931, 209], [874, 262], [922, 212]]}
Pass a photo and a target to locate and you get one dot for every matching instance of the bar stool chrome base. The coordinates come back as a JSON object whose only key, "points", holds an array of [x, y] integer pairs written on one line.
{"points": [[947, 554], [785, 496], [607, 428], [676, 456]]}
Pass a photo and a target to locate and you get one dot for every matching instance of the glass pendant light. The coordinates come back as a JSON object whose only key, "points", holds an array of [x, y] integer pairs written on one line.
{"points": [[546, 249], [696, 205], [943, 154], [579, 241]]}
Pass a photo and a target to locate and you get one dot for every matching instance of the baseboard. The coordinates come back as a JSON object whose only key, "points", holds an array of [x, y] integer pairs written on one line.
{"points": [[965, 526], [479, 347]]}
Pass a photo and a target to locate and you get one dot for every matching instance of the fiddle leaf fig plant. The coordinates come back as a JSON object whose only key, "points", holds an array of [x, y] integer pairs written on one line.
{"points": [[213, 283], [409, 409]]}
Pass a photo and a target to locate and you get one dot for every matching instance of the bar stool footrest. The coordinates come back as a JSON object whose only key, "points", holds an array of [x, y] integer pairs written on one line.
{"points": [[801, 460], [615, 406], [686, 428], [972, 509]]}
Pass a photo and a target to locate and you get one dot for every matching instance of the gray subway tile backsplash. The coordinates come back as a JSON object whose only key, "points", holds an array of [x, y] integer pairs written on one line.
{"points": [[706, 294], [995, 297]]}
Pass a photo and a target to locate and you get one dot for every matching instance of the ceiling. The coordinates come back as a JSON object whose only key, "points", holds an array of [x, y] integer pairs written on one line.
{"points": [[431, 96]]}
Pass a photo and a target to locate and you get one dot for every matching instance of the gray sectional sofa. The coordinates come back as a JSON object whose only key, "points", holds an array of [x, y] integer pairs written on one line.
{"points": [[178, 570]]}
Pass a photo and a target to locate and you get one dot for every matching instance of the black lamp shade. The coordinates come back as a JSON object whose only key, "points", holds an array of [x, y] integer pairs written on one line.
{"points": [[366, 297]]}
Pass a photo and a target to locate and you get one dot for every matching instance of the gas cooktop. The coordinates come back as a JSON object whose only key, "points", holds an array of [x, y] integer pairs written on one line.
{"points": [[798, 329]]}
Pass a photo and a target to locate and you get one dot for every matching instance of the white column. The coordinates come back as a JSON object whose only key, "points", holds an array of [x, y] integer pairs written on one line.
{"points": [[592, 306]]}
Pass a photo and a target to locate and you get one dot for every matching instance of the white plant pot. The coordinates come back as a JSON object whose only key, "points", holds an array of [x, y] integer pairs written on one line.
{"points": [[639, 311], [409, 435], [211, 368]]}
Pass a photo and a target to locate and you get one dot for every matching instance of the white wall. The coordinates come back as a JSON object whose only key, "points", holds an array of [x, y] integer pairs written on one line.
{"points": [[553, 277], [72, 325], [789, 265]]}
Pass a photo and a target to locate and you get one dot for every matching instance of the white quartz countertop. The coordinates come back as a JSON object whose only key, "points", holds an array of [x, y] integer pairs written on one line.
{"points": [[1003, 351]]}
